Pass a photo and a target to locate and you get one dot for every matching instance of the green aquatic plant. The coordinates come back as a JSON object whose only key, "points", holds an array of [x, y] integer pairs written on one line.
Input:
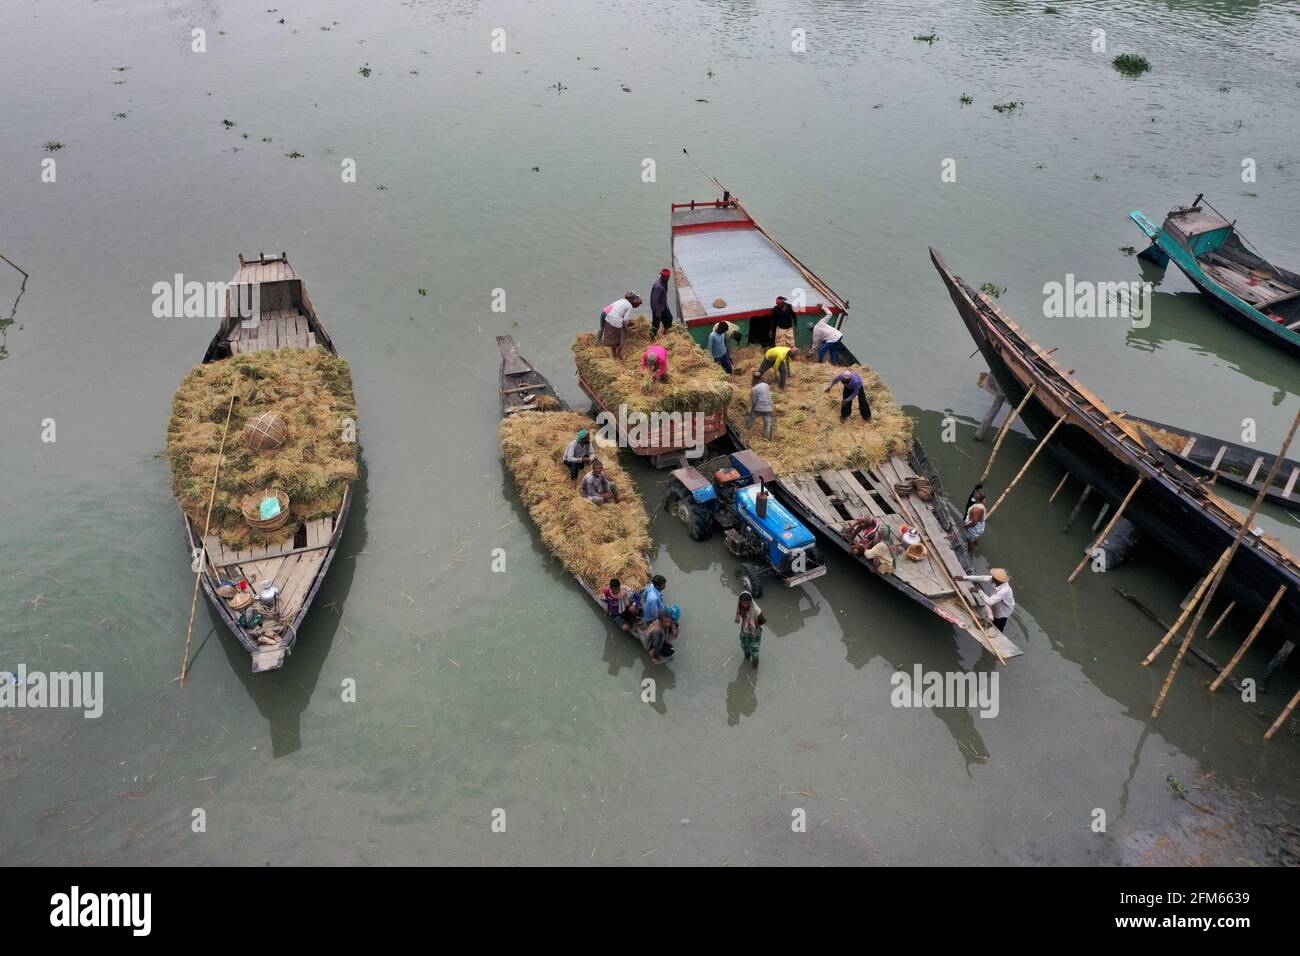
{"points": [[1050, 10], [53, 146], [1127, 250], [365, 70], [422, 291], [294, 155], [930, 37], [1131, 64], [1010, 106], [967, 99], [228, 124], [990, 289]]}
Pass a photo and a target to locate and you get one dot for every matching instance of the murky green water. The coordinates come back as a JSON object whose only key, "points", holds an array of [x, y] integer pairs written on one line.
{"points": [[477, 690]]}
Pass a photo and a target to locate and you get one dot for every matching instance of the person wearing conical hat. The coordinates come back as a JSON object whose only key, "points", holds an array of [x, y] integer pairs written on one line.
{"points": [[1002, 602]]}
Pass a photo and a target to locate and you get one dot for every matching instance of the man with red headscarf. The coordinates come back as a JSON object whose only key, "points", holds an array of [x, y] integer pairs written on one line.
{"points": [[660, 314]]}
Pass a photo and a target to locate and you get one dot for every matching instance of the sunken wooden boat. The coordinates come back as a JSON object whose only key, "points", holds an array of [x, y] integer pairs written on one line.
{"points": [[285, 318], [1170, 507], [1250, 291], [1225, 462], [720, 253], [521, 389]]}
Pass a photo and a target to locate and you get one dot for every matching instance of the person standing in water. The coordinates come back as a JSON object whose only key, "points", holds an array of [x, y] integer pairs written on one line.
{"points": [[751, 620]]}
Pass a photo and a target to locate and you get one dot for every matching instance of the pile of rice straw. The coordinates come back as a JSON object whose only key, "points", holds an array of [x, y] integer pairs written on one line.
{"points": [[594, 542], [695, 382], [312, 390], [1166, 440], [807, 434]]}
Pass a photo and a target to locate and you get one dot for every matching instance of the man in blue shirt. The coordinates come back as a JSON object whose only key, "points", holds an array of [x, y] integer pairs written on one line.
{"points": [[718, 347], [852, 388], [652, 599]]}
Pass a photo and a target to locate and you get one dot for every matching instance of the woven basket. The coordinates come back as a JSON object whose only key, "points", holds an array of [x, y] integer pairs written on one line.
{"points": [[266, 432], [916, 552], [252, 509], [922, 488], [240, 601], [904, 487]]}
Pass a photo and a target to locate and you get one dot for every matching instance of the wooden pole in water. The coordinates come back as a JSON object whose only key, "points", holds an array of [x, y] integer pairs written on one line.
{"points": [[1281, 718], [1222, 617], [1192, 604], [1114, 520], [1250, 639], [1065, 477], [203, 542], [1006, 427], [15, 265], [1025, 467], [1087, 490], [1232, 550]]}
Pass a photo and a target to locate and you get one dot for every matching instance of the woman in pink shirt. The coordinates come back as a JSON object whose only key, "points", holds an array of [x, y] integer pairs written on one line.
{"points": [[655, 359]]}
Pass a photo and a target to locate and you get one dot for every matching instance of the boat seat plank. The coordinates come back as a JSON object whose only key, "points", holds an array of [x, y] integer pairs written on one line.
{"points": [[318, 532], [813, 499], [849, 497]]}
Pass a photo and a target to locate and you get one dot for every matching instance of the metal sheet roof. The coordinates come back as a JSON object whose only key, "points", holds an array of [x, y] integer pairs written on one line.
{"points": [[740, 266]]}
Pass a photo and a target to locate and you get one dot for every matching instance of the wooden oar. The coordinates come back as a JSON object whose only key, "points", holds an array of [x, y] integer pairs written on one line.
{"points": [[203, 542]]}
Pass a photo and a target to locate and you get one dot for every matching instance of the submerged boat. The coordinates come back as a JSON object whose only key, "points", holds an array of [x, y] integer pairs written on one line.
{"points": [[1226, 463], [1170, 507], [721, 254], [521, 389], [286, 318], [1251, 292]]}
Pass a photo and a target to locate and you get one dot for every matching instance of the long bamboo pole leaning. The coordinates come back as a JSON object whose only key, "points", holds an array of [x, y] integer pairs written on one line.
{"points": [[1250, 639], [1192, 604], [1064, 478], [1222, 617], [1006, 427], [1025, 467], [1110, 526], [15, 265], [1281, 718], [203, 542], [1242, 530]]}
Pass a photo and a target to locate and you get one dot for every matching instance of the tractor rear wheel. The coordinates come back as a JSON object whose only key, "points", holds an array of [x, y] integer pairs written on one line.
{"points": [[696, 517]]}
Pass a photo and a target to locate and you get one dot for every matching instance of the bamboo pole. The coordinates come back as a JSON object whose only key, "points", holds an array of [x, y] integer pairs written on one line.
{"points": [[1222, 617], [1025, 467], [1087, 490], [1250, 639], [1064, 478], [1281, 718], [1114, 520], [1192, 604], [1232, 550], [1006, 427], [203, 542]]}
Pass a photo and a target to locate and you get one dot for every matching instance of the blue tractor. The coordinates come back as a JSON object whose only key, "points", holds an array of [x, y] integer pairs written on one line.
{"points": [[756, 528]]}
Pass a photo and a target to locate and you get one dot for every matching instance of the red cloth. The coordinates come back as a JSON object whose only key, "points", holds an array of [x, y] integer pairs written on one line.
{"points": [[659, 352]]}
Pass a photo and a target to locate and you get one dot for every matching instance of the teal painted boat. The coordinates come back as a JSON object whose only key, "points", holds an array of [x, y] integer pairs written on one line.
{"points": [[1251, 292]]}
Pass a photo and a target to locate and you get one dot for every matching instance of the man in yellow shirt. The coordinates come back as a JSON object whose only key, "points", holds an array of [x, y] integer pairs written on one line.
{"points": [[778, 358]]}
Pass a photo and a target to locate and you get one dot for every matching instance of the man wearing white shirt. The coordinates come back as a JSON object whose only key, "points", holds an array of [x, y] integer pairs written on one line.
{"points": [[613, 321], [826, 338], [1002, 602]]}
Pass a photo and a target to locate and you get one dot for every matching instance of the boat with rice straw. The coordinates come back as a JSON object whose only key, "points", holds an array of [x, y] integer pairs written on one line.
{"points": [[262, 448], [728, 268]]}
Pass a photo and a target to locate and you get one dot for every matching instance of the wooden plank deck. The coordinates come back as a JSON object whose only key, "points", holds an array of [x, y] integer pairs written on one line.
{"points": [[285, 328]]}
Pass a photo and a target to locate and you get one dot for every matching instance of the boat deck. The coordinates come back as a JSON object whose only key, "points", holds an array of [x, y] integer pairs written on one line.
{"points": [[283, 328], [1258, 291], [837, 496]]}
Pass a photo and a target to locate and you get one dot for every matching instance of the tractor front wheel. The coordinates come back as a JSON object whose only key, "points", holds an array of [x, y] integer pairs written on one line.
{"points": [[696, 518]]}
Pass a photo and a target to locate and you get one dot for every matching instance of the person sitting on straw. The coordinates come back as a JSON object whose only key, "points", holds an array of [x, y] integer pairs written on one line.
{"points": [[596, 487], [760, 405], [655, 361], [614, 319], [852, 382], [779, 358], [578, 453]]}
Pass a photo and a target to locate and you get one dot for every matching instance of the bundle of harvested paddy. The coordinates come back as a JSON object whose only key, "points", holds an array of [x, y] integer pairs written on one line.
{"points": [[695, 383], [594, 542], [311, 389], [807, 434], [1165, 439]]}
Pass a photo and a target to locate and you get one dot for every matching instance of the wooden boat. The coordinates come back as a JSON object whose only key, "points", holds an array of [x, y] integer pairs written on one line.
{"points": [[286, 319], [1226, 463], [1171, 507], [519, 382], [1251, 292], [721, 253]]}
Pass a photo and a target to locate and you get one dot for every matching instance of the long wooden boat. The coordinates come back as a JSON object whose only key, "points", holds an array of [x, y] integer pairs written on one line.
{"points": [[1227, 463], [520, 384], [1251, 292], [664, 440], [721, 253], [286, 318], [1101, 448]]}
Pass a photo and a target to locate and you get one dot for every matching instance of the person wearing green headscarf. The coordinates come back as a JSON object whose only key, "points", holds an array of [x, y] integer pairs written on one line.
{"points": [[578, 454]]}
